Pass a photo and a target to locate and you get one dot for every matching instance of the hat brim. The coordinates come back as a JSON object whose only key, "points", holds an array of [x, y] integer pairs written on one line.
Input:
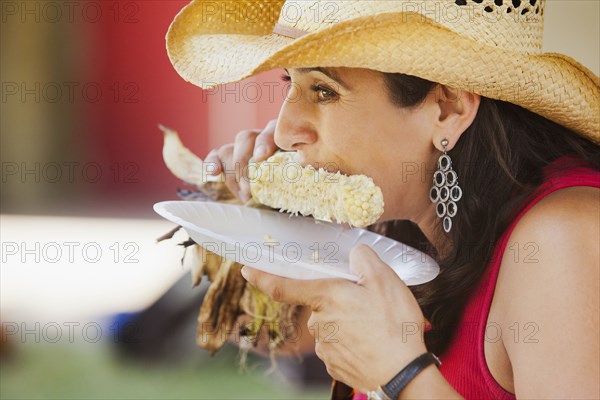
{"points": [[552, 85]]}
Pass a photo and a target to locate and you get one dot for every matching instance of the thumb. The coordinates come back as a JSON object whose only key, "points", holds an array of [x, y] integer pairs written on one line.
{"points": [[367, 265], [264, 146]]}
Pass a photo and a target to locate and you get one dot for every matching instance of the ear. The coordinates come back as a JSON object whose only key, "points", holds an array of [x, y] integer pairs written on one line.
{"points": [[457, 110]]}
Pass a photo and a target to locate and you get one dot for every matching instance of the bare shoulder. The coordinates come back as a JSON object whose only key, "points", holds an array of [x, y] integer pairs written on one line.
{"points": [[567, 203], [549, 285], [555, 245], [560, 230]]}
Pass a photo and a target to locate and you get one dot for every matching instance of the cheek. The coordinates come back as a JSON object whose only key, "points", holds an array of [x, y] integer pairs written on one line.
{"points": [[343, 144], [409, 146], [375, 138]]}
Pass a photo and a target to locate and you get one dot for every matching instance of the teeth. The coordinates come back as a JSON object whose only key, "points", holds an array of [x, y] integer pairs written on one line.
{"points": [[327, 196]]}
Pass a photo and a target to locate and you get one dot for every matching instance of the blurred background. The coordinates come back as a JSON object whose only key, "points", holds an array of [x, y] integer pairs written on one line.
{"points": [[91, 306]]}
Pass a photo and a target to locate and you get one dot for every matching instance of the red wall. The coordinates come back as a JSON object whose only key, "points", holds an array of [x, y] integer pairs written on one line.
{"points": [[129, 55], [125, 53]]}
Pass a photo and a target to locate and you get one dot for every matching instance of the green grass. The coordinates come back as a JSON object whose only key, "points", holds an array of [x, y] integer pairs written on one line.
{"points": [[74, 371]]}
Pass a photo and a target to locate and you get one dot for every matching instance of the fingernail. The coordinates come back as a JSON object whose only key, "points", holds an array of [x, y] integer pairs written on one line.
{"points": [[260, 152], [244, 272], [244, 197]]}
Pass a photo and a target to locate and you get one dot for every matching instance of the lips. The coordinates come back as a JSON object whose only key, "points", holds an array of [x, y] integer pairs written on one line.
{"points": [[328, 166]]}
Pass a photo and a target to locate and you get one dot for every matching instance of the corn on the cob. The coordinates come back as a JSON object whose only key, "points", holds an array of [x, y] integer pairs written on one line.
{"points": [[281, 182]]}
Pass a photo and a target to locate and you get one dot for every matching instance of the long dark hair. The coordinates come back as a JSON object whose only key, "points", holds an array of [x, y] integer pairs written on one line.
{"points": [[499, 160]]}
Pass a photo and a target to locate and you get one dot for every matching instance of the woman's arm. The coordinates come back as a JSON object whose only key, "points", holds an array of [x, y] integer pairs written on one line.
{"points": [[553, 286], [429, 384]]}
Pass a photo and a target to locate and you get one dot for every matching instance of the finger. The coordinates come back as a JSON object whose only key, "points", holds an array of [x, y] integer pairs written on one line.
{"points": [[244, 145], [265, 142], [291, 291], [365, 263], [314, 331], [214, 163], [225, 154]]}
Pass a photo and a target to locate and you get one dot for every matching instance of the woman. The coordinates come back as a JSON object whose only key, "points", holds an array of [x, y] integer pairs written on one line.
{"points": [[514, 311]]}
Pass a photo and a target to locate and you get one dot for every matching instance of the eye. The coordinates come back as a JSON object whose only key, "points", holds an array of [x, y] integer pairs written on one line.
{"points": [[323, 93]]}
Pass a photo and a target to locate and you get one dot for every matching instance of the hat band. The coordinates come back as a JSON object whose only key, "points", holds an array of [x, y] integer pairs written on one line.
{"points": [[288, 31]]}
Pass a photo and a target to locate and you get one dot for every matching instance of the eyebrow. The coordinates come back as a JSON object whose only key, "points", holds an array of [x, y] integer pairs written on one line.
{"points": [[326, 71]]}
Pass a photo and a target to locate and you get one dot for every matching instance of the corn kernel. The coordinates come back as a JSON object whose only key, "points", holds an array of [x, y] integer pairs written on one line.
{"points": [[353, 199]]}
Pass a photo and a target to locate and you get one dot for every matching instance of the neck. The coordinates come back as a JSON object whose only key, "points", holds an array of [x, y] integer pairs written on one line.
{"points": [[429, 223]]}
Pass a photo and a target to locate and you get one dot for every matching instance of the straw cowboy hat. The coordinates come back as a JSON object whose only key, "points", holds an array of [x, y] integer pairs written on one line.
{"points": [[489, 47]]}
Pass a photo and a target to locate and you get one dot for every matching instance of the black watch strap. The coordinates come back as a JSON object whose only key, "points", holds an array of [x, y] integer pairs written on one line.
{"points": [[393, 388]]}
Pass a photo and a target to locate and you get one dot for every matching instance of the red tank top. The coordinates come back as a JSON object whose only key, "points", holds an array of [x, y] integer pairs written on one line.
{"points": [[463, 363]]}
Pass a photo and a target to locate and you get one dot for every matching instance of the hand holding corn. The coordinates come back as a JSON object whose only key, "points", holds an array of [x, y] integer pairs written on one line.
{"points": [[281, 182]]}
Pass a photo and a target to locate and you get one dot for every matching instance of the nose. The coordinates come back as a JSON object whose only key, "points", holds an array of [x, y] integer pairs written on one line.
{"points": [[295, 128]]}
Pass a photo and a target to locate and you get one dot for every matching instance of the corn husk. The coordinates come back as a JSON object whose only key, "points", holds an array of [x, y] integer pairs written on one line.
{"points": [[229, 295]]}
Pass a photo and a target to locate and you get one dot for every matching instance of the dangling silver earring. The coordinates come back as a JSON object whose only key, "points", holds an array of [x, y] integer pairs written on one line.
{"points": [[445, 191]]}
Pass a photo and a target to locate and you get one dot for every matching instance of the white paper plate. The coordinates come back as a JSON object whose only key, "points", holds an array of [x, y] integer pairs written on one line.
{"points": [[300, 248]]}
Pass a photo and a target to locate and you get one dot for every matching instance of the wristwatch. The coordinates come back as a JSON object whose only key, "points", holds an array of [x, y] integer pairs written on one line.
{"points": [[392, 389]]}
